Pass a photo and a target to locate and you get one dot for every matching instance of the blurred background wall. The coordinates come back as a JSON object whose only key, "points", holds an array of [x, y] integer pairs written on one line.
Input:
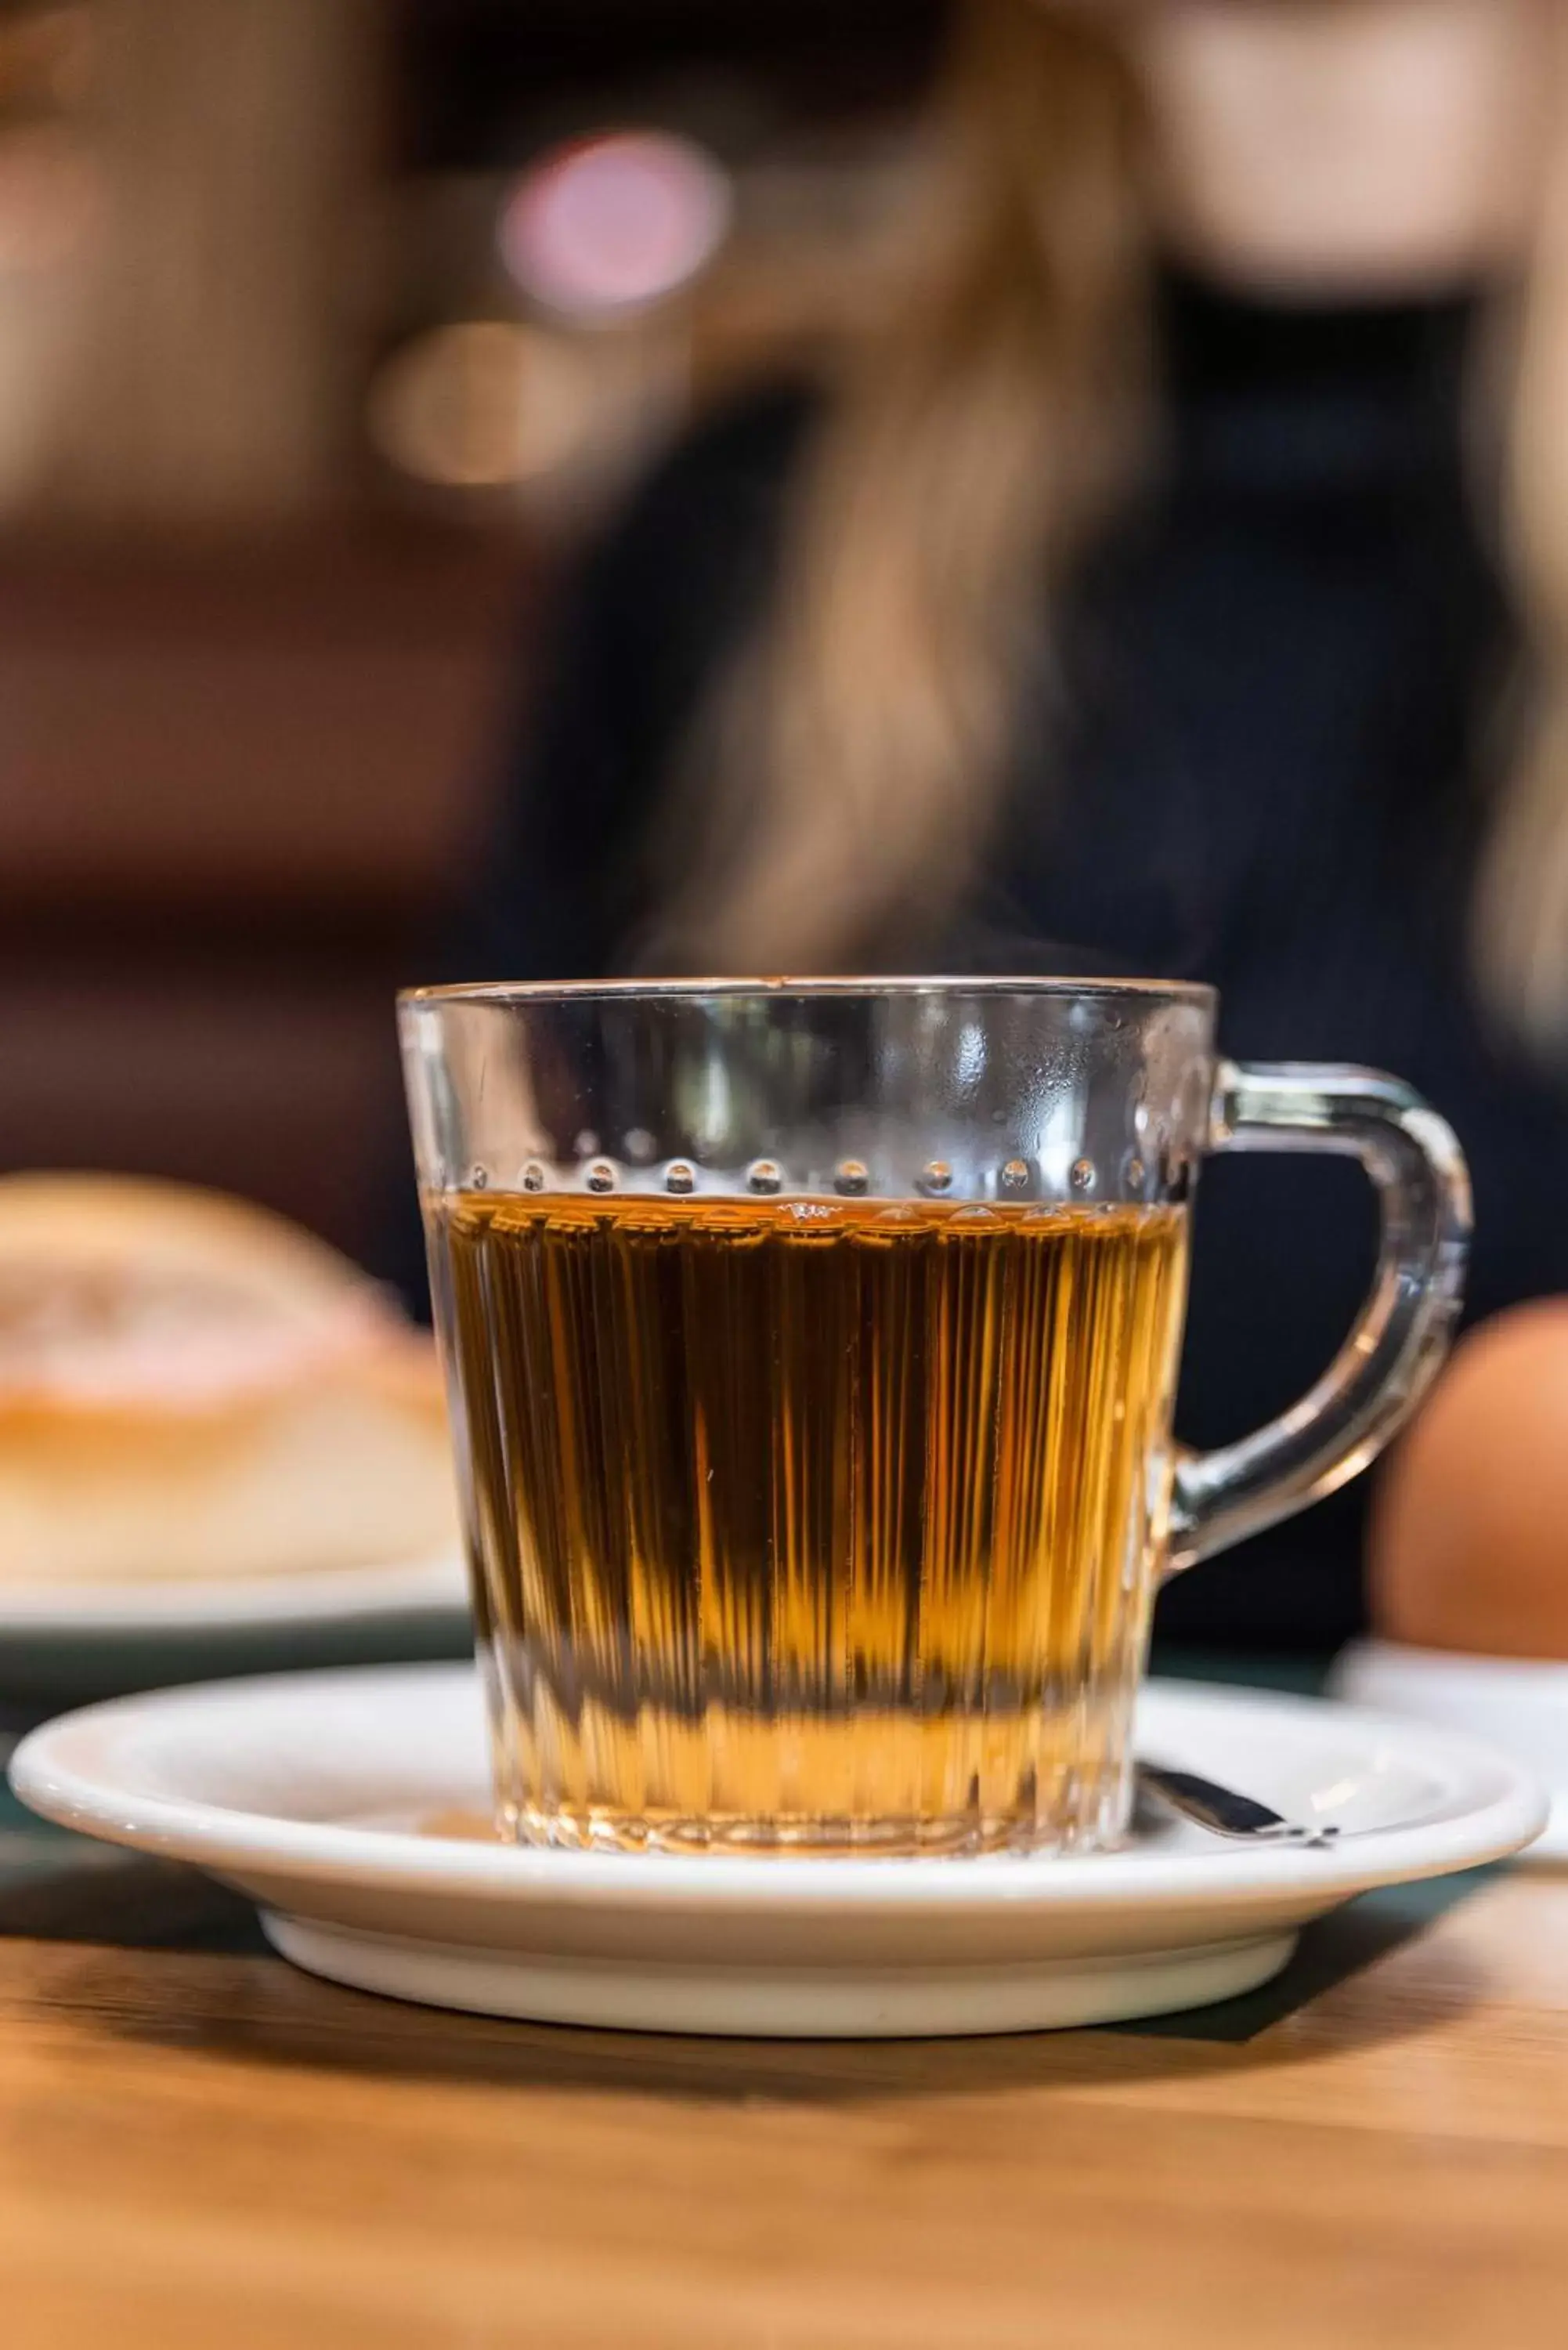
{"points": [[326, 327]]}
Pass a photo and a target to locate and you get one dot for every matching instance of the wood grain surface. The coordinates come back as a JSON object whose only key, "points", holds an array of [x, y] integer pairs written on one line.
{"points": [[212, 2150]]}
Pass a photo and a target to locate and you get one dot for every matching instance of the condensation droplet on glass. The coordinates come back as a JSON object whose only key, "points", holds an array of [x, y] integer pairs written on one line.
{"points": [[1083, 1175], [601, 1175], [478, 1178], [850, 1176], [936, 1176], [532, 1176], [1015, 1175], [763, 1175], [1136, 1171], [679, 1177]]}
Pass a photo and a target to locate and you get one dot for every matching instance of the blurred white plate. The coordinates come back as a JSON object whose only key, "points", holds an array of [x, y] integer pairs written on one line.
{"points": [[60, 1643], [194, 1603], [1518, 1702], [353, 1807]]}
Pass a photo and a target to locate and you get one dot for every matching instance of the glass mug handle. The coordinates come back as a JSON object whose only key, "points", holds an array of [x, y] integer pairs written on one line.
{"points": [[1394, 1352]]}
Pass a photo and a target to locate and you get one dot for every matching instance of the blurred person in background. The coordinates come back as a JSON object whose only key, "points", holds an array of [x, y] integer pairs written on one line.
{"points": [[1173, 580]]}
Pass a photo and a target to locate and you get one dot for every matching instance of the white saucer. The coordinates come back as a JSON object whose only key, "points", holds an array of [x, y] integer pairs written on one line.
{"points": [[305, 1791], [1518, 1703]]}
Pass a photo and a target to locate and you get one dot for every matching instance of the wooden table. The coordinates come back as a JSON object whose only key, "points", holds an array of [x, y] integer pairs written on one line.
{"points": [[211, 2152]]}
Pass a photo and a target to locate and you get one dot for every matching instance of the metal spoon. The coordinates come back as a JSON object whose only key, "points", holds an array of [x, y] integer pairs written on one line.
{"points": [[1225, 1812]]}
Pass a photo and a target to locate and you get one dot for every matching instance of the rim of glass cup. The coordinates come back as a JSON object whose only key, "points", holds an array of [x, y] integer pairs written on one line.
{"points": [[551, 991]]}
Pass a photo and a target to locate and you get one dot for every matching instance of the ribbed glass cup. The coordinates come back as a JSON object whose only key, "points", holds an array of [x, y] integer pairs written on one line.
{"points": [[810, 1352]]}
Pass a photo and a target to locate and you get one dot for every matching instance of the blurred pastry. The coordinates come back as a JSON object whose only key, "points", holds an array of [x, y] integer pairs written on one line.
{"points": [[190, 1386], [1468, 1545]]}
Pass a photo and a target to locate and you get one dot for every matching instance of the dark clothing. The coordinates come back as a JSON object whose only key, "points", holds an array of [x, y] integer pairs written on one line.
{"points": [[1268, 770]]}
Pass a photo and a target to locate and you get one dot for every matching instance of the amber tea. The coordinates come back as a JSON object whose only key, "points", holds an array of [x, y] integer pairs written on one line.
{"points": [[812, 1522]]}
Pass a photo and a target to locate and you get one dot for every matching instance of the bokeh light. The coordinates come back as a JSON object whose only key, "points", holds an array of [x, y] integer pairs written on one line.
{"points": [[615, 224], [481, 405]]}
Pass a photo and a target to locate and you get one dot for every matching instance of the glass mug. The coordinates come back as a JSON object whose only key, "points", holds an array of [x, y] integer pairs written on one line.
{"points": [[811, 1351]]}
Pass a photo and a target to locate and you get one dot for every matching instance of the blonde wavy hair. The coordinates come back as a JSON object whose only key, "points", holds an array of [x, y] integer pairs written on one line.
{"points": [[982, 435]]}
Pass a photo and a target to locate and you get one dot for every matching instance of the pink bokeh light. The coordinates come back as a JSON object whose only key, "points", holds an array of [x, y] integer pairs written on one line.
{"points": [[615, 222]]}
